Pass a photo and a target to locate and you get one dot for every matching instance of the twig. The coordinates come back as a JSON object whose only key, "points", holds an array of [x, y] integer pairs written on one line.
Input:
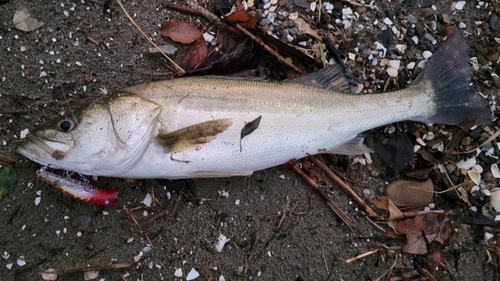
{"points": [[325, 197], [490, 139], [361, 256], [182, 9], [390, 269], [268, 49], [212, 18], [324, 259], [179, 69], [63, 271], [347, 189]]}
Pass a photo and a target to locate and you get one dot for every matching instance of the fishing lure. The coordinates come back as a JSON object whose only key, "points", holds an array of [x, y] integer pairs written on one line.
{"points": [[80, 190]]}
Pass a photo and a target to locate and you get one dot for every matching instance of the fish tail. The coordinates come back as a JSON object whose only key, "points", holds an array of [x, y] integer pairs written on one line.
{"points": [[449, 72]]}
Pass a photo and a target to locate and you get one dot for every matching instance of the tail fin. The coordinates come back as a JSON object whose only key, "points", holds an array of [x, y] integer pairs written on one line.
{"points": [[449, 72]]}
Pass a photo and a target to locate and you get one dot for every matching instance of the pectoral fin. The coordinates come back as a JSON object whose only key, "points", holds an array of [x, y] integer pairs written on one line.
{"points": [[194, 136], [352, 147]]}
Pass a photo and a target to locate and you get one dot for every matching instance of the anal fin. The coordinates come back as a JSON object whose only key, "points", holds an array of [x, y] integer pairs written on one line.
{"points": [[352, 147], [194, 136]]}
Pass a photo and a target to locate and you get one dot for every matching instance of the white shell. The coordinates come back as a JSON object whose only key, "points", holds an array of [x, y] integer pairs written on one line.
{"points": [[147, 200], [460, 5], [193, 274], [466, 163], [475, 176], [220, 244], [89, 275], [178, 272], [495, 199], [495, 171], [478, 168]]}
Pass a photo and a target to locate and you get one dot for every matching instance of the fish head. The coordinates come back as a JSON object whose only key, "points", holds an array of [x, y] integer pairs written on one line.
{"points": [[104, 139]]}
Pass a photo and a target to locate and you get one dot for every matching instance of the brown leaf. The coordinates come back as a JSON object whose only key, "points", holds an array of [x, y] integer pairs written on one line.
{"points": [[433, 261], [384, 203], [415, 243], [414, 225], [436, 230], [195, 54], [180, 31], [241, 16]]}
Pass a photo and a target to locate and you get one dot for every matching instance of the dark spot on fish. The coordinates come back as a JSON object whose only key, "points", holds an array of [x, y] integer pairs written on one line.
{"points": [[249, 128], [58, 154], [322, 150]]}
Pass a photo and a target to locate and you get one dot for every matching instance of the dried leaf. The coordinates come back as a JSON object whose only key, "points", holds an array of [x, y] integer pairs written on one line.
{"points": [[436, 230], [415, 238], [23, 21], [384, 203], [433, 261], [241, 16], [195, 54], [181, 31], [415, 244], [303, 26]]}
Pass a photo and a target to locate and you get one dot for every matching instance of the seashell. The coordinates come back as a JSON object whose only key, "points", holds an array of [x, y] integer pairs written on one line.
{"points": [[474, 176], [466, 163], [495, 171], [495, 199]]}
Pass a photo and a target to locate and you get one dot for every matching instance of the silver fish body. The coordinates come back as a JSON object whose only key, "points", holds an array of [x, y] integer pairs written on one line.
{"points": [[217, 127]]}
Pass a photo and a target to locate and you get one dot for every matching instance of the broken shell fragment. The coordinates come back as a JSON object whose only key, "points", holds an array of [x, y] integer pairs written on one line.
{"points": [[220, 244], [474, 176], [495, 199], [495, 171], [410, 193]]}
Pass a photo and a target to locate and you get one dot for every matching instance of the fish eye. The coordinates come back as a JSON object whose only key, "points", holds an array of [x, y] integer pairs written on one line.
{"points": [[66, 125]]}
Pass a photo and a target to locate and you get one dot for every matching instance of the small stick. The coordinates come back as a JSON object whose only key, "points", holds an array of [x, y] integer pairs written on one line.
{"points": [[212, 18], [347, 189], [268, 49], [325, 197], [361, 256], [63, 271], [179, 69], [182, 9]]}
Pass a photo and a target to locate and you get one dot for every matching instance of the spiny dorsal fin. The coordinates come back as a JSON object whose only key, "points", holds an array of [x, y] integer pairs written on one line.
{"points": [[194, 136], [331, 77], [352, 147]]}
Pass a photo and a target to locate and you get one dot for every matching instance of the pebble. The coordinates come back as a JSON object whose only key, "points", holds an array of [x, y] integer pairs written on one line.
{"points": [[493, 57], [427, 12], [427, 54], [410, 193]]}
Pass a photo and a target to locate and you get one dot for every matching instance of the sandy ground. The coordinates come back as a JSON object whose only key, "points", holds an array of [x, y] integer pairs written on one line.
{"points": [[310, 244]]}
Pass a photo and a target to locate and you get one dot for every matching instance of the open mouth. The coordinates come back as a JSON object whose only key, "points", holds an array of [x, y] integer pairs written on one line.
{"points": [[42, 149]]}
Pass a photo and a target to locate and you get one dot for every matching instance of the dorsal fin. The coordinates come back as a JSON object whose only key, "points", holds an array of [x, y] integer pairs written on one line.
{"points": [[331, 77]]}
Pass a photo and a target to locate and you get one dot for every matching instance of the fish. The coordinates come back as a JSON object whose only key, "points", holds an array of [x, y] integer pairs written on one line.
{"points": [[80, 190], [206, 127]]}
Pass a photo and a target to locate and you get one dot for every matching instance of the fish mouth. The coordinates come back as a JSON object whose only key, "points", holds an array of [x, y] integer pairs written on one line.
{"points": [[43, 150]]}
